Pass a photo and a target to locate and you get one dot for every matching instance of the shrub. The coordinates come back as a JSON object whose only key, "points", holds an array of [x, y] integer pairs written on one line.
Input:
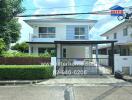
{"points": [[23, 72], [19, 54], [2, 46]]}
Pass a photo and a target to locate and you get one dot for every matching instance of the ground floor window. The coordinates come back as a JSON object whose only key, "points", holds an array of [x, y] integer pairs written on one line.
{"points": [[125, 52], [50, 51]]}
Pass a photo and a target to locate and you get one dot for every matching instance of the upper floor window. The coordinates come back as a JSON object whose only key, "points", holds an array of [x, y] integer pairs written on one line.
{"points": [[46, 29], [107, 37], [125, 32], [79, 33], [115, 35]]}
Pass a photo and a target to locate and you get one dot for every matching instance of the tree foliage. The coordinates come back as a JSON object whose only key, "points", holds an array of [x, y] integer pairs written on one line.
{"points": [[22, 47], [2, 45], [9, 26]]}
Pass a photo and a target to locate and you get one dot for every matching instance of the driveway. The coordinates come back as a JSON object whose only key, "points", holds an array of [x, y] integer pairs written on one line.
{"points": [[68, 92], [82, 80]]}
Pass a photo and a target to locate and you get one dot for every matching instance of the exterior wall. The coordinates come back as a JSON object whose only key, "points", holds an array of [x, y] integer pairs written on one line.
{"points": [[60, 32], [119, 31], [103, 61], [123, 61], [88, 52], [119, 61], [64, 31], [75, 52]]}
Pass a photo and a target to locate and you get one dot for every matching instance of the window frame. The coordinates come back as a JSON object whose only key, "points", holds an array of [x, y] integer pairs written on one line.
{"points": [[78, 33], [107, 37], [47, 30], [115, 35], [47, 33], [125, 31]]}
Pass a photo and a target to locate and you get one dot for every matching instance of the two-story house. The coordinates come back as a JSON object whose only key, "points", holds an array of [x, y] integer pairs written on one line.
{"points": [[123, 48], [69, 38], [48, 32]]}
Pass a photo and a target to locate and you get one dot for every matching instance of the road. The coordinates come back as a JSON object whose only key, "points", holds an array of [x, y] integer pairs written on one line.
{"points": [[66, 92]]}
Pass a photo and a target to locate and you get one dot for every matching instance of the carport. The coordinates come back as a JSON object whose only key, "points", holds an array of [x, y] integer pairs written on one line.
{"points": [[64, 63]]}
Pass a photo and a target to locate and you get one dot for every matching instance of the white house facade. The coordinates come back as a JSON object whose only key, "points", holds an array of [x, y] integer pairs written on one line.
{"points": [[123, 47], [69, 38], [47, 31]]}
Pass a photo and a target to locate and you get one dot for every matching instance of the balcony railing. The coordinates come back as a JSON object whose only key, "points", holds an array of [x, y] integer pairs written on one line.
{"points": [[49, 35]]}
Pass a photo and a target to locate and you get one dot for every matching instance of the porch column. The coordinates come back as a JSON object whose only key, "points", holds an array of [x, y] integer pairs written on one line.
{"points": [[120, 49], [97, 53], [97, 60], [112, 57], [29, 49], [56, 50], [60, 50]]}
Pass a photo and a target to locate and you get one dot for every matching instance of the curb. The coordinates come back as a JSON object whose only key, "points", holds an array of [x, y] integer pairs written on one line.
{"points": [[17, 82]]}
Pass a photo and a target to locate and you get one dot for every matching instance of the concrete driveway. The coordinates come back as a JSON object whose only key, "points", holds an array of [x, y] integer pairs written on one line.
{"points": [[84, 80], [68, 92]]}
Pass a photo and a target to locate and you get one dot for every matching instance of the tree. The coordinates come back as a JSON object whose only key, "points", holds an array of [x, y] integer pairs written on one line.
{"points": [[9, 26], [22, 47], [2, 46]]}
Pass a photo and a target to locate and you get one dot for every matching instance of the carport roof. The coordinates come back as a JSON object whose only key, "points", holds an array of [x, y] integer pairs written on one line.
{"points": [[85, 41], [76, 42]]}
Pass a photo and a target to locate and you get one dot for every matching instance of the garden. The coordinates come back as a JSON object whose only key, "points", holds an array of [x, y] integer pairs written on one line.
{"points": [[18, 64]]}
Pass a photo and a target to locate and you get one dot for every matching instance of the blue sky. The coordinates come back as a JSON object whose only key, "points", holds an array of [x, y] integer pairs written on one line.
{"points": [[72, 6]]}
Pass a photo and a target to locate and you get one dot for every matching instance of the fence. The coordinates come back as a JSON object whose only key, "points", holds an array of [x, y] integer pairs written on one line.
{"points": [[24, 60], [82, 66]]}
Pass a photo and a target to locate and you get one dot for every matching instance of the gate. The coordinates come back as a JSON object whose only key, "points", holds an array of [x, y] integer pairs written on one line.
{"points": [[82, 66]]}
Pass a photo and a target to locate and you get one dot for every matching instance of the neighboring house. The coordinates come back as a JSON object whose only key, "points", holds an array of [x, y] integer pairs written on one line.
{"points": [[123, 48], [48, 31]]}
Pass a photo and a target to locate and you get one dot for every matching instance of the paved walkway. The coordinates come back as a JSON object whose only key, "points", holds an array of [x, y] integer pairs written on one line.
{"points": [[84, 80]]}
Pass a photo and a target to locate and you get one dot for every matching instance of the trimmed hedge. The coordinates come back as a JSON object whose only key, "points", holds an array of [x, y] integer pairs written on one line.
{"points": [[25, 72]]}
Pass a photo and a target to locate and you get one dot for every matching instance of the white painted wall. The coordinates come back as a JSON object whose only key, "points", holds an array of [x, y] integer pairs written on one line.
{"points": [[119, 31], [75, 51], [60, 32], [123, 61], [102, 61], [53, 63]]}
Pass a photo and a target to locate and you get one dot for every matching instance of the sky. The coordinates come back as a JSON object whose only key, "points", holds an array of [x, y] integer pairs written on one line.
{"points": [[105, 22]]}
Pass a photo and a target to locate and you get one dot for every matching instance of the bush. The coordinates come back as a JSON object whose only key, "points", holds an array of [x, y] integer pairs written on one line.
{"points": [[2, 46], [19, 54], [25, 72]]}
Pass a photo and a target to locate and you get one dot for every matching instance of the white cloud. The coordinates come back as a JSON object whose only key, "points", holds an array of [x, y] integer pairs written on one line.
{"points": [[54, 4]]}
